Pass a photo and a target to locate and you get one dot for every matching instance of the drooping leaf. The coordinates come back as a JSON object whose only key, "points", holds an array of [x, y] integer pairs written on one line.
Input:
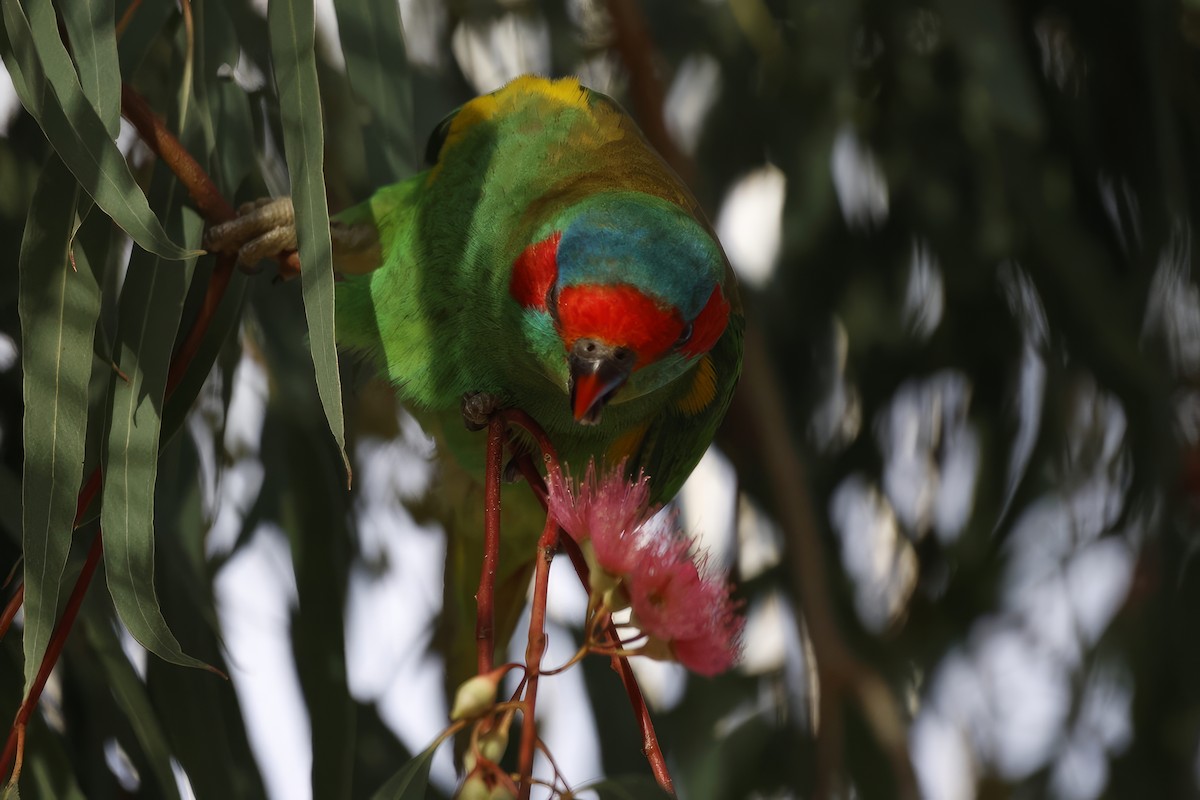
{"points": [[151, 302], [377, 66], [411, 782], [293, 29], [130, 694], [90, 26], [59, 303], [35, 61]]}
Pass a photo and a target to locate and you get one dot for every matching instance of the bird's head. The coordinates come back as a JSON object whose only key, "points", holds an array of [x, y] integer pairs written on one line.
{"points": [[621, 294]]}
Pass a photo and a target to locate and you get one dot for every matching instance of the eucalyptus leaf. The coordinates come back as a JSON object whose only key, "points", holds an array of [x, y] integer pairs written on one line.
{"points": [[411, 782], [151, 302], [91, 28], [130, 694], [59, 303], [57, 102], [293, 30]]}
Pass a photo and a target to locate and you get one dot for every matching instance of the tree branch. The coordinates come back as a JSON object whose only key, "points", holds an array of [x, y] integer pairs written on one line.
{"points": [[485, 616]]}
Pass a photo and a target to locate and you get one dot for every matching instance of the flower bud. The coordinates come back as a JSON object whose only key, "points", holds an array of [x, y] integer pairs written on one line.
{"points": [[501, 792], [476, 695], [493, 744], [473, 788]]}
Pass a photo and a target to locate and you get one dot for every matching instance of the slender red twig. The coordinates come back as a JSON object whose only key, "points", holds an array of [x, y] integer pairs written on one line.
{"points": [[515, 416], [10, 610], [53, 650], [535, 650], [651, 749], [485, 616]]}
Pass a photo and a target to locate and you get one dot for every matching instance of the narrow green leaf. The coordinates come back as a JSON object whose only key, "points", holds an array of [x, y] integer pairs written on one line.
{"points": [[293, 28], [412, 781], [151, 302], [56, 100], [377, 66], [91, 28], [58, 304], [131, 696]]}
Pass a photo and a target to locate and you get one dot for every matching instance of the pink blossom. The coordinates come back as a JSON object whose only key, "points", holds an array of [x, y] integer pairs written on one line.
{"points": [[665, 590], [684, 614], [693, 615], [609, 513], [717, 647]]}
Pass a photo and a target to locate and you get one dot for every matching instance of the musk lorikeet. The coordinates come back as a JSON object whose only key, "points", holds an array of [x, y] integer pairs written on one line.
{"points": [[549, 260]]}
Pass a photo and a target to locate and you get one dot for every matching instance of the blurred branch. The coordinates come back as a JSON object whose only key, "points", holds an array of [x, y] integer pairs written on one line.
{"points": [[839, 671], [632, 41]]}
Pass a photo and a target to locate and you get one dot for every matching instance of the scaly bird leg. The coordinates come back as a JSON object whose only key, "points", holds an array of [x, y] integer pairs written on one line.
{"points": [[266, 228]]}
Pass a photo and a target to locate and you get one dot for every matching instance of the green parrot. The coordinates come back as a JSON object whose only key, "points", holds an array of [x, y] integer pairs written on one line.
{"points": [[547, 260]]}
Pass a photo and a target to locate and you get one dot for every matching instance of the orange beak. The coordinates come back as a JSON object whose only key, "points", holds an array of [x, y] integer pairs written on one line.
{"points": [[597, 371]]}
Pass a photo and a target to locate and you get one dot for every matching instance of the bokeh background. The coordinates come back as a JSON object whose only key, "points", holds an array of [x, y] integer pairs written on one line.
{"points": [[957, 489]]}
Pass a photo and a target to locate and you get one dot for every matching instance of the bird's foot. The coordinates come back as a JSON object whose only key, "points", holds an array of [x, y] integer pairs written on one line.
{"points": [[477, 409], [264, 228]]}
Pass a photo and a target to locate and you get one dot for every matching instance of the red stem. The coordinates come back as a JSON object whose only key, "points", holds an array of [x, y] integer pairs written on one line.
{"points": [[534, 651], [53, 650], [485, 616], [651, 749], [650, 746], [515, 416], [10, 610]]}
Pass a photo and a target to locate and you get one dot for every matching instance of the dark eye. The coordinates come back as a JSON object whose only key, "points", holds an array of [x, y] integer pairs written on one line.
{"points": [[684, 335], [552, 301]]}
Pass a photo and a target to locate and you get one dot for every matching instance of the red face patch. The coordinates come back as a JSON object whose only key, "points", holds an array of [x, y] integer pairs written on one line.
{"points": [[619, 315], [534, 272], [709, 324]]}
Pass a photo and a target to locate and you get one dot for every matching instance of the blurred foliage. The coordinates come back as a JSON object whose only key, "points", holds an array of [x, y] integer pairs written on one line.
{"points": [[983, 316]]}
